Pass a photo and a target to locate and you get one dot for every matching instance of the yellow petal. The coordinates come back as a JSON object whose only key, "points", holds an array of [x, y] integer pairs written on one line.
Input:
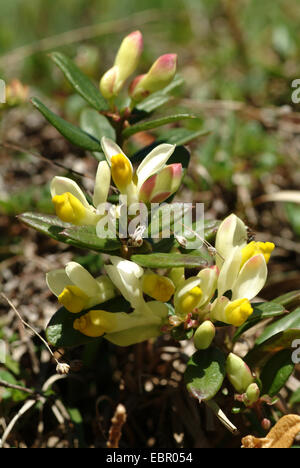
{"points": [[73, 299], [255, 248], [95, 323], [158, 287], [68, 208], [121, 171], [190, 300], [238, 311]]}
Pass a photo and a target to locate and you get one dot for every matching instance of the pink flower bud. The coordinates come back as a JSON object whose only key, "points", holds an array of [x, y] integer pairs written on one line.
{"points": [[125, 64], [161, 186], [158, 77]]}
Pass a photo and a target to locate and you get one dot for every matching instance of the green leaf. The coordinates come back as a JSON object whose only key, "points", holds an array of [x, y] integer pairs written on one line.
{"points": [[86, 237], [74, 134], [169, 260], [182, 136], [79, 81], [150, 124], [293, 213], [156, 100], [78, 236], [291, 320], [46, 224], [96, 124], [261, 311], [261, 353], [180, 333], [60, 332], [205, 373], [289, 300], [295, 398], [276, 372]]}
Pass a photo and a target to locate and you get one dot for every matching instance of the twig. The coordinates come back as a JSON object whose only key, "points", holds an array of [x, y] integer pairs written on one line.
{"points": [[26, 407], [30, 327], [5, 384]]}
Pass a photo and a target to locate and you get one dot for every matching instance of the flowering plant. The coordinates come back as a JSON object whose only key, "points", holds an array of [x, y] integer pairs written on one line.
{"points": [[149, 286]]}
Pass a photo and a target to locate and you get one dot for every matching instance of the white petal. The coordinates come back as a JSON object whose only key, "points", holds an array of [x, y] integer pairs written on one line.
{"points": [[229, 271], [102, 184], [110, 149], [209, 277], [57, 280], [251, 278], [82, 279], [124, 276], [217, 312], [154, 162], [127, 266], [231, 233], [60, 185]]}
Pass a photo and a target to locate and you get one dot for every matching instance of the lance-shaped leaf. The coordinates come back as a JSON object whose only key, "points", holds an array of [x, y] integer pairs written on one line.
{"points": [[291, 320], [86, 236], [205, 373], [182, 136], [60, 332], [150, 124], [96, 124], [261, 311], [79, 236], [259, 355], [79, 81], [170, 260], [276, 372], [158, 99], [74, 134], [289, 300]]}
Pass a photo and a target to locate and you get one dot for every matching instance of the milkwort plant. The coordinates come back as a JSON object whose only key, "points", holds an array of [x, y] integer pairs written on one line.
{"points": [[154, 286]]}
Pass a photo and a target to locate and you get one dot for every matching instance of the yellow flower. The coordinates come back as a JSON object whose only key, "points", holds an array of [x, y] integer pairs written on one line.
{"points": [[95, 323], [121, 171], [68, 208], [254, 248], [70, 203], [158, 287], [73, 299], [238, 311]]}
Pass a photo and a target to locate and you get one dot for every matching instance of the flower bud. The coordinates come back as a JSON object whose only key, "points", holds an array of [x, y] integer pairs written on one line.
{"points": [[108, 82], [158, 77], [238, 373], [16, 93], [161, 186], [252, 394], [204, 335], [125, 64]]}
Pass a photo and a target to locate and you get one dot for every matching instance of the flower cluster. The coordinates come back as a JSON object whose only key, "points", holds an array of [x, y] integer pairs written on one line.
{"points": [[220, 293], [153, 182]]}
